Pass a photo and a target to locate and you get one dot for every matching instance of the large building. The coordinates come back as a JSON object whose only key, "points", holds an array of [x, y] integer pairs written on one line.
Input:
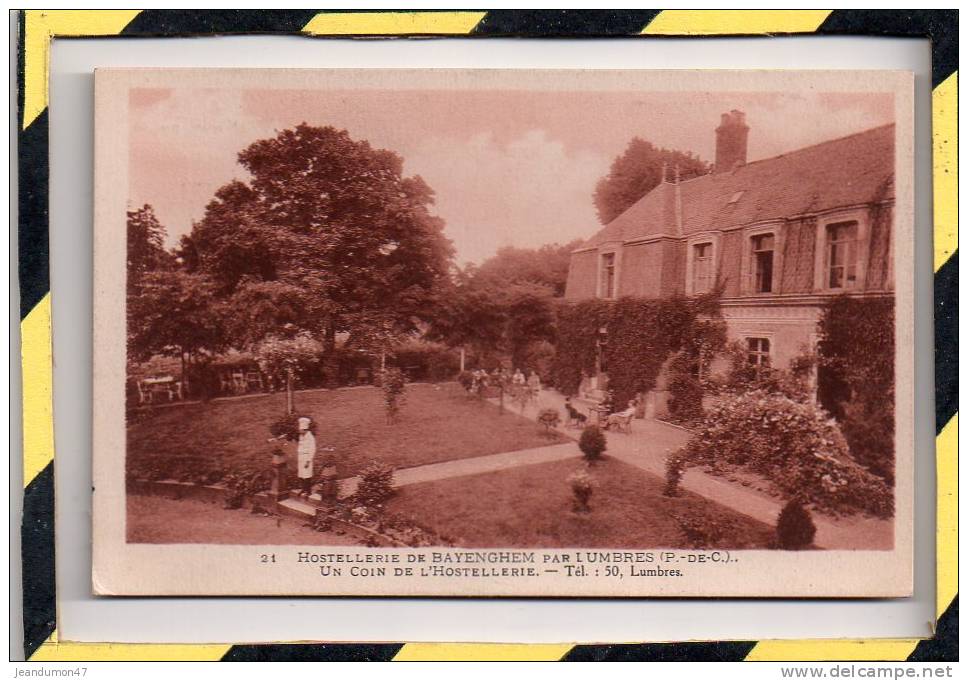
{"points": [[780, 235]]}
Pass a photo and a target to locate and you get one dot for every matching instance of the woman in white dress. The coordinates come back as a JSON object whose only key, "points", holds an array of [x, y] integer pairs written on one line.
{"points": [[305, 453]]}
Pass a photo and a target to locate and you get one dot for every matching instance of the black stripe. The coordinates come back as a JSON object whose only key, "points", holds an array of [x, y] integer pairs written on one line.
{"points": [[722, 651], [946, 342], [563, 22], [940, 25], [943, 647], [313, 652], [33, 248], [21, 32], [181, 22], [37, 560]]}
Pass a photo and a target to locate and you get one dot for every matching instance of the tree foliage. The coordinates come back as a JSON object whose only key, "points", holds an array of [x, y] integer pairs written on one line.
{"points": [[856, 376], [146, 246], [545, 266], [174, 314], [637, 172], [334, 224]]}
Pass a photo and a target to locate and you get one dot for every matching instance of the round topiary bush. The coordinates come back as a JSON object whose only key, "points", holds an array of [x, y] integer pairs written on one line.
{"points": [[549, 418], [794, 527], [592, 443]]}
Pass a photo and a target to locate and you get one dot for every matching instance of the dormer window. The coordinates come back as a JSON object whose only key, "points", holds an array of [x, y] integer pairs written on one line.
{"points": [[702, 267], [842, 255], [841, 251], [762, 261], [608, 276]]}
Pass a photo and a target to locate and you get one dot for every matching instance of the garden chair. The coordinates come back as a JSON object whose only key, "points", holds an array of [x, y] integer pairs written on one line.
{"points": [[622, 421]]}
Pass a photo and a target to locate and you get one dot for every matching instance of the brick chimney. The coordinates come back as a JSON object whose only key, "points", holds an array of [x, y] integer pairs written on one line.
{"points": [[731, 141]]}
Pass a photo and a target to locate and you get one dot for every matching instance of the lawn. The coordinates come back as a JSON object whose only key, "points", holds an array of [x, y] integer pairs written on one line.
{"points": [[437, 423], [156, 520], [531, 506]]}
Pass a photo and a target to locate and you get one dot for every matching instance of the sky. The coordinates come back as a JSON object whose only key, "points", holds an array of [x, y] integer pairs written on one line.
{"points": [[509, 167]]}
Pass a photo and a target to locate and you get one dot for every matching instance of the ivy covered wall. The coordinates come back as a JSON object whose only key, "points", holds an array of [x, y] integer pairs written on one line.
{"points": [[641, 334], [856, 376]]}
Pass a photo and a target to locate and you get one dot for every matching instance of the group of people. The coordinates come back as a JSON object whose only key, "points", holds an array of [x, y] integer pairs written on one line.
{"points": [[502, 376]]}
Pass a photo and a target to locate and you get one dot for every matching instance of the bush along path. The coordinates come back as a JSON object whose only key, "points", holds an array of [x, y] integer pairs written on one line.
{"points": [[649, 444]]}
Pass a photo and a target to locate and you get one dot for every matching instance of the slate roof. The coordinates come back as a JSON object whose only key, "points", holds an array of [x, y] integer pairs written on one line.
{"points": [[853, 170]]}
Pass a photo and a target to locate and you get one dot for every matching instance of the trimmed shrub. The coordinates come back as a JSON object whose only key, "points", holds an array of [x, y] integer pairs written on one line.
{"points": [[794, 526], [394, 385], [376, 484], [592, 443], [794, 445], [582, 486], [549, 418], [675, 467]]}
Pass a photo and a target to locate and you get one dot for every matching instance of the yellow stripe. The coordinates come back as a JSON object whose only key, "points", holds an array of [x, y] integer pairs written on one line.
{"points": [[37, 389], [53, 650], [946, 447], [40, 26], [820, 650], [736, 21], [944, 121], [393, 23], [481, 652]]}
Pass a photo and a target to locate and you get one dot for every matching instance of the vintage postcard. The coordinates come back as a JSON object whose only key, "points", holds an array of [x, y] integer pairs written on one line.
{"points": [[503, 333]]}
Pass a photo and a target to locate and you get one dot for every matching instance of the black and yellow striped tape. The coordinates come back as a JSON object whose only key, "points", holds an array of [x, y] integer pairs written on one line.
{"points": [[37, 28]]}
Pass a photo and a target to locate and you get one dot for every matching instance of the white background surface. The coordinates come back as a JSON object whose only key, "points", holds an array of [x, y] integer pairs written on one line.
{"points": [[83, 617]]}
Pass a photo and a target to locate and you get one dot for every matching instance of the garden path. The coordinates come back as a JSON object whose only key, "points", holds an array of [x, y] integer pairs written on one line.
{"points": [[651, 441], [473, 466]]}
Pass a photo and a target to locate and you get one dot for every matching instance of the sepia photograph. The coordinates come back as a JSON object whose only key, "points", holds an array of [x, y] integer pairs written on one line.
{"points": [[451, 332]]}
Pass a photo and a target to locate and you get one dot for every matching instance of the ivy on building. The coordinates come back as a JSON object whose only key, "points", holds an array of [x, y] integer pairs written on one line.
{"points": [[856, 376], [632, 337]]}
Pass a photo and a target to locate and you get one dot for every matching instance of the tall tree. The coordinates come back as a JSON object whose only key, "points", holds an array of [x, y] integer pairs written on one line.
{"points": [[636, 172], [547, 265], [530, 318], [332, 219], [469, 314], [174, 313], [146, 245]]}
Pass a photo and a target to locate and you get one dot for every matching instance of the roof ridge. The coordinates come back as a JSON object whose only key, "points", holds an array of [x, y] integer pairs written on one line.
{"points": [[815, 145]]}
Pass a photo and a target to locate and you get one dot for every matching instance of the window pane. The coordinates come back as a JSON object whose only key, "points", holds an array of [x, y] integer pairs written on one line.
{"points": [[842, 255]]}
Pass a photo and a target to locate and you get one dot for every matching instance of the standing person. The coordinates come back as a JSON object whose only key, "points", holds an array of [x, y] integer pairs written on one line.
{"points": [[534, 382], [305, 453], [518, 377]]}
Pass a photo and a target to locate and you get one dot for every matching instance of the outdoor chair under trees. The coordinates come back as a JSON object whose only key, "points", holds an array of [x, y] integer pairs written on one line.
{"points": [[621, 421]]}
